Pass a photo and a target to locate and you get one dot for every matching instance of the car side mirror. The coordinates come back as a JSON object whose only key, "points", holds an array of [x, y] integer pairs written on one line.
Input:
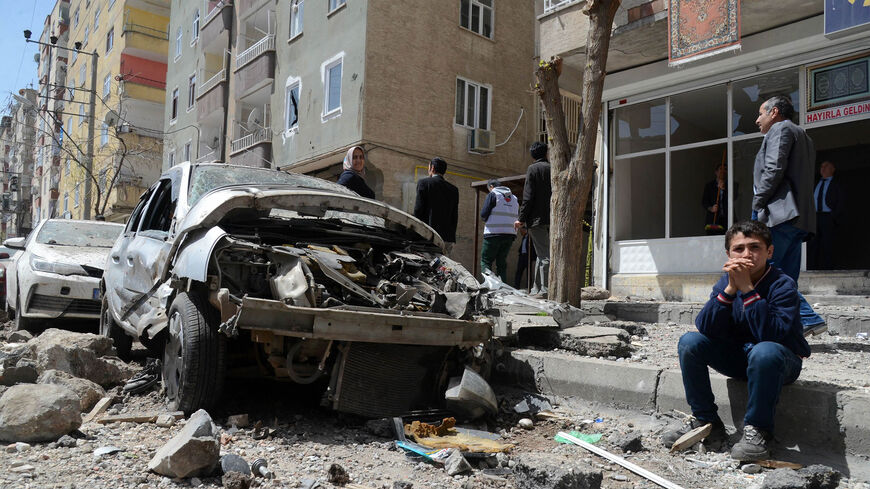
{"points": [[4, 256], [15, 243]]}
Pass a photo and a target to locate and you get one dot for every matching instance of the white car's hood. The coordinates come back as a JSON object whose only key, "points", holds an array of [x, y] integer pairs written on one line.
{"points": [[91, 256]]}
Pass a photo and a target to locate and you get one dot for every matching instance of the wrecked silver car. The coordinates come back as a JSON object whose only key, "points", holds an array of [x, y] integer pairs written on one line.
{"points": [[292, 277]]}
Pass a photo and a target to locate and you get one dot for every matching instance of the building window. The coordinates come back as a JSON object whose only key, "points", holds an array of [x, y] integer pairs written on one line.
{"points": [[174, 105], [194, 29], [76, 197], [76, 18], [335, 4], [96, 18], [179, 37], [187, 151], [296, 13], [65, 202], [171, 159], [104, 134], [110, 39], [81, 113], [191, 91], [83, 73], [332, 86], [472, 104], [67, 169], [101, 182], [291, 110], [107, 85], [87, 31], [476, 16]]}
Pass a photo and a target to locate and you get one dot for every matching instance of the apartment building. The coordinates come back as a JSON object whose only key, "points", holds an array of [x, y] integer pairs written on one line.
{"points": [[123, 46], [17, 133], [665, 129], [293, 84], [52, 70]]}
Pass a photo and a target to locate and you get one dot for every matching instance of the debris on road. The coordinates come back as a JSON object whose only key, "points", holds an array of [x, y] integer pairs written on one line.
{"points": [[193, 451], [692, 437], [260, 468], [38, 412]]}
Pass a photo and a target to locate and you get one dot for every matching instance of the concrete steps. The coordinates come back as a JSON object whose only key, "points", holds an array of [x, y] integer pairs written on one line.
{"points": [[845, 315]]}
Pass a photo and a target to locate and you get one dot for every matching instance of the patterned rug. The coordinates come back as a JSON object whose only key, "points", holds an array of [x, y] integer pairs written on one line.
{"points": [[701, 28]]}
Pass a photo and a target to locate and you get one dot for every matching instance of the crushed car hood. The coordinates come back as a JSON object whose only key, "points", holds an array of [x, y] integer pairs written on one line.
{"points": [[212, 207], [90, 256]]}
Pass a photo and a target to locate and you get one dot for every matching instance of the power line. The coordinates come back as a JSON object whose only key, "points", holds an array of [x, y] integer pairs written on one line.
{"points": [[24, 51]]}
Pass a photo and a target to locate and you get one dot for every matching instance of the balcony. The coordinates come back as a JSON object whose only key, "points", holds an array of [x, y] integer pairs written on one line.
{"points": [[264, 45], [216, 22], [256, 67], [261, 135], [211, 95]]}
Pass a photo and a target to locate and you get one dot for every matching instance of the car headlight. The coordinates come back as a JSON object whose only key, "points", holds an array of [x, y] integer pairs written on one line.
{"points": [[43, 265]]}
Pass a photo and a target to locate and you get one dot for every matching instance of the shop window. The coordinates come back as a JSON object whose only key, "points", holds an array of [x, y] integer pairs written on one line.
{"points": [[700, 115], [692, 170], [640, 127], [744, 161], [639, 201], [748, 95]]}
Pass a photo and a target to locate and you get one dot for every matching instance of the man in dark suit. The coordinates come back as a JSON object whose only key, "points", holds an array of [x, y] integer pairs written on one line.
{"points": [[438, 203], [830, 206]]}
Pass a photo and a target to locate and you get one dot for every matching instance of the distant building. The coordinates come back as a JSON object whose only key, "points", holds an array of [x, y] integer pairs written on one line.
{"points": [[665, 129], [17, 133]]}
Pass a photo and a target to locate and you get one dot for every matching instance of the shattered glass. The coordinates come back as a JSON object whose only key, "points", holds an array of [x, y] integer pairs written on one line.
{"points": [[206, 178], [75, 233]]}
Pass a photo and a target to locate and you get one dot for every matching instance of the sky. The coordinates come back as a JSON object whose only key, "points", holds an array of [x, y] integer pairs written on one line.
{"points": [[17, 68]]}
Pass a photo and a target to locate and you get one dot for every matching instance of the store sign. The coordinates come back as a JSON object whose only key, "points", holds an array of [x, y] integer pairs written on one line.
{"points": [[839, 88], [846, 16]]}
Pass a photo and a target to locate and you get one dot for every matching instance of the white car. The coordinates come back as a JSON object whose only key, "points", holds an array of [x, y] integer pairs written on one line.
{"points": [[57, 274]]}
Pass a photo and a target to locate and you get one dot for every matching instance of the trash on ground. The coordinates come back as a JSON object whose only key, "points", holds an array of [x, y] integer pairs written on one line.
{"points": [[470, 396], [532, 404], [260, 468], [588, 438], [107, 450], [694, 436], [145, 379], [446, 436]]}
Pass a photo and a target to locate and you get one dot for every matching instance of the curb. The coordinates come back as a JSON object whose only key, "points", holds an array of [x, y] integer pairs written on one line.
{"points": [[810, 415]]}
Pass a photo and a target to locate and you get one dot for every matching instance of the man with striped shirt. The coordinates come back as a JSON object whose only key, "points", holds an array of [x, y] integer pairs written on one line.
{"points": [[749, 329]]}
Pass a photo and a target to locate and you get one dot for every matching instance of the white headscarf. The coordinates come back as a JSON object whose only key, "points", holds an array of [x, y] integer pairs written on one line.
{"points": [[347, 164]]}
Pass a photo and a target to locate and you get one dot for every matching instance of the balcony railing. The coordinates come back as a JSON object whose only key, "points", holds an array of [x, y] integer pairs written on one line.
{"points": [[263, 45], [145, 30], [213, 12], [256, 137], [211, 82], [551, 5], [209, 157]]}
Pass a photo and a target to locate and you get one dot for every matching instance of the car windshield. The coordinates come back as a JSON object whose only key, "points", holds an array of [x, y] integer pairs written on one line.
{"points": [[206, 178], [78, 233]]}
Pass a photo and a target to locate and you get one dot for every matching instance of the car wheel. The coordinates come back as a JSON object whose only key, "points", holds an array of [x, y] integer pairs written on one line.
{"points": [[194, 354], [26, 324], [108, 328]]}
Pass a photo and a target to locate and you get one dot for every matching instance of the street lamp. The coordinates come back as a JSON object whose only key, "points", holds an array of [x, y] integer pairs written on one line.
{"points": [[92, 106]]}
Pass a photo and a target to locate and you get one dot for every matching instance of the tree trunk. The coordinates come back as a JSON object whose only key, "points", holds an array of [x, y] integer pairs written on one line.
{"points": [[572, 175]]}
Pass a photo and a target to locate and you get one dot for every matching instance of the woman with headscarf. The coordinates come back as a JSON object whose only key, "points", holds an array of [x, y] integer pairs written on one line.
{"points": [[354, 170]]}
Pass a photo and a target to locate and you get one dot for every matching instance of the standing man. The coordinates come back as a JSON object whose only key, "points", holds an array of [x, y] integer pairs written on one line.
{"points": [[438, 203], [783, 182], [500, 210], [535, 214], [830, 204]]}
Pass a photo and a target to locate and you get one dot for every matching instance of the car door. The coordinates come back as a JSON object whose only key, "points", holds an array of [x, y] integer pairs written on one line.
{"points": [[114, 274], [137, 261]]}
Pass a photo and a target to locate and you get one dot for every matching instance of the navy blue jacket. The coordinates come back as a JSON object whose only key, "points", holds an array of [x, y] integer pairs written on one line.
{"points": [[768, 313], [351, 180]]}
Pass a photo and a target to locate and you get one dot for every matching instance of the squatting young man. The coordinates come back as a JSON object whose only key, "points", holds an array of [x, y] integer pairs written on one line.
{"points": [[749, 329]]}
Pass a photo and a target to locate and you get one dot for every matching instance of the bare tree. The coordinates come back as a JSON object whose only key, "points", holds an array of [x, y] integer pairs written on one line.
{"points": [[572, 175]]}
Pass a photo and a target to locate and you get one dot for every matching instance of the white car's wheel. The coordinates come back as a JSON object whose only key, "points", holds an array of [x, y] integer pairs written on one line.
{"points": [[123, 343], [26, 324], [194, 355]]}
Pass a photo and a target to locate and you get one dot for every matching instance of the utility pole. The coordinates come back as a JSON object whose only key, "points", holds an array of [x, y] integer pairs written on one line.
{"points": [[89, 163]]}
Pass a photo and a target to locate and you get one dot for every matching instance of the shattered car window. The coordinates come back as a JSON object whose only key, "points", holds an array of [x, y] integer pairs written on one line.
{"points": [[73, 233], [361, 219], [206, 178]]}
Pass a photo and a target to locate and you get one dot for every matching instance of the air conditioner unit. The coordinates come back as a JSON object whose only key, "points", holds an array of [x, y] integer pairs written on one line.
{"points": [[481, 141]]}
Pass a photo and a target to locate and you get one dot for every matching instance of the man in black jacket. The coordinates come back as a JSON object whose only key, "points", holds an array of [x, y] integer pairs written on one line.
{"points": [[535, 214], [438, 203], [830, 205]]}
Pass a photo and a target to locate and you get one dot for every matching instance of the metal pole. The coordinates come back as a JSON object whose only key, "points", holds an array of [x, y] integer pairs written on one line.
{"points": [[89, 162]]}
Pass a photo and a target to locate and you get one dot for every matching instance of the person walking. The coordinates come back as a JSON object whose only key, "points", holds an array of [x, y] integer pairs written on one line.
{"points": [[437, 203], [500, 210], [783, 183], [352, 177], [535, 214]]}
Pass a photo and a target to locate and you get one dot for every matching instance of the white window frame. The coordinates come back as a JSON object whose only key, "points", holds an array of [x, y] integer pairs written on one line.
{"points": [[476, 123], [76, 18], [76, 197], [110, 40], [107, 85], [191, 92], [68, 164], [297, 18], [194, 28], [75, 56], [471, 5], [65, 202], [334, 5], [291, 84], [81, 114], [173, 108], [325, 68], [87, 32], [97, 17], [83, 73], [179, 40], [171, 159], [187, 151], [104, 134]]}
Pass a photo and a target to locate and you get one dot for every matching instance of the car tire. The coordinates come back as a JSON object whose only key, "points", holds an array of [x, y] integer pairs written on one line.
{"points": [[26, 324], [108, 328], [194, 354]]}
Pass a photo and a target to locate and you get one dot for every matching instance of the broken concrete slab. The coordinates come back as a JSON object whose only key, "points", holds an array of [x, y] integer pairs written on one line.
{"points": [[36, 412], [593, 341], [89, 392], [546, 471], [193, 451], [593, 293], [812, 477], [83, 355]]}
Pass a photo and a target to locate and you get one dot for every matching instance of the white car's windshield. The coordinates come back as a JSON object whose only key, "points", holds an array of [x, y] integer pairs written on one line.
{"points": [[209, 177], [77, 233]]}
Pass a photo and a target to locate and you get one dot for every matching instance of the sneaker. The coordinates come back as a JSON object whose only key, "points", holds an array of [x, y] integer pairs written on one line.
{"points": [[146, 378], [717, 435], [815, 329], [753, 446]]}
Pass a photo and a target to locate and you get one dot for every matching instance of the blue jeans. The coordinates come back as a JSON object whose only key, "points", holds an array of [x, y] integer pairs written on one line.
{"points": [[766, 366]]}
